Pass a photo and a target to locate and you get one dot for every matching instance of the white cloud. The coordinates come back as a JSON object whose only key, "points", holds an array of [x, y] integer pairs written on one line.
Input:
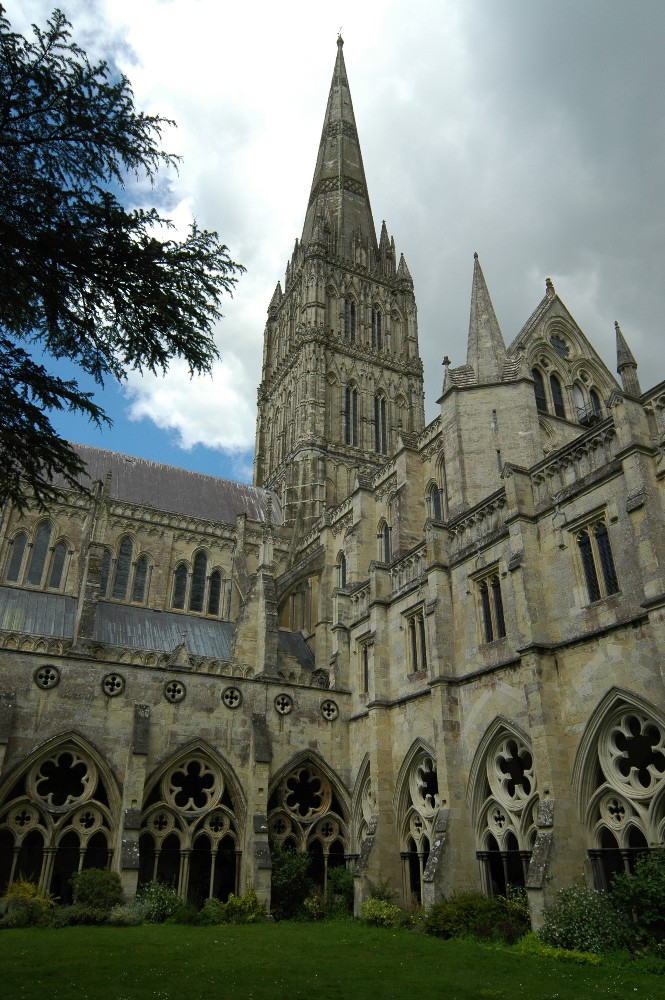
{"points": [[532, 133]]}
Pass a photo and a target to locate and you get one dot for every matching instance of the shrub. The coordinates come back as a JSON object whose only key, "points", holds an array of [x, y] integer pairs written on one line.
{"points": [[291, 882], [129, 915], [640, 897], [381, 913], [472, 914], [584, 920], [97, 888], [531, 944], [381, 890], [315, 905], [24, 906], [77, 915], [236, 910], [158, 902], [340, 891]]}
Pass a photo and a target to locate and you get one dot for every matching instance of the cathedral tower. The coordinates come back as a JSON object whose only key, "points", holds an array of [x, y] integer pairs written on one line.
{"points": [[342, 377]]}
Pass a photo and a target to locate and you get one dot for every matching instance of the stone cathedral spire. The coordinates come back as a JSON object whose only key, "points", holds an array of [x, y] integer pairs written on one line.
{"points": [[342, 380]]}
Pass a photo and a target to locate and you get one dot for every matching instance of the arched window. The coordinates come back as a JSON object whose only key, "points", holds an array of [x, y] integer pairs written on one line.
{"points": [[384, 542], [597, 561], [436, 512], [214, 592], [491, 603], [341, 565], [594, 400], [105, 575], [539, 390], [380, 425], [179, 587], [351, 415], [199, 573], [39, 553], [349, 319], [122, 569], [578, 399], [377, 334], [16, 553], [140, 580], [557, 396], [57, 566]]}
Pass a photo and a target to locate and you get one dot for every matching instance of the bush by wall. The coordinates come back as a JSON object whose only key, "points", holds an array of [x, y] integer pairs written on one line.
{"points": [[640, 898], [24, 906], [158, 902], [472, 914], [584, 920], [236, 910], [381, 913], [291, 882], [98, 889]]}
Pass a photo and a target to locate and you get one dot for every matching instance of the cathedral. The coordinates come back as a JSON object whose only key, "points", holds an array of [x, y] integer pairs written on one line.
{"points": [[433, 653]]}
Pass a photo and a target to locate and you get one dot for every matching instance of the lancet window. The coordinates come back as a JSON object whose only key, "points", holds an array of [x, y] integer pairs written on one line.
{"points": [[420, 800]]}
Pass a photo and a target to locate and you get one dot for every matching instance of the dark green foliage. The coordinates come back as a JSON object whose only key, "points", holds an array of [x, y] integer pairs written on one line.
{"points": [[97, 888], [471, 914], [340, 891], [640, 898], [81, 276], [291, 882], [158, 902], [23, 905], [77, 915], [236, 910], [584, 920]]}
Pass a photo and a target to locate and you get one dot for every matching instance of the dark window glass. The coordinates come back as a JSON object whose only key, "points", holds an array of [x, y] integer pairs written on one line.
{"points": [[179, 587], [350, 319], [140, 580], [380, 425], [606, 560], [122, 569], [539, 389], [595, 402], [377, 336], [498, 608], [342, 570], [435, 497], [39, 552], [105, 573], [488, 628], [423, 644], [16, 556], [351, 416], [590, 576], [385, 537], [557, 396], [57, 565], [199, 574], [215, 592]]}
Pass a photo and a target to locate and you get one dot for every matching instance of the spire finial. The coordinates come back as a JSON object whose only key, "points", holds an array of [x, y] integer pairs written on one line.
{"points": [[340, 40], [475, 256], [549, 288]]}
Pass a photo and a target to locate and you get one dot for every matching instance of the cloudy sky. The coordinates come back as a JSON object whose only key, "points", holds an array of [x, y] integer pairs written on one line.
{"points": [[531, 131]]}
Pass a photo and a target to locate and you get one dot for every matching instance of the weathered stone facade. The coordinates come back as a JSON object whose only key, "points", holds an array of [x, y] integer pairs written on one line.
{"points": [[433, 653]]}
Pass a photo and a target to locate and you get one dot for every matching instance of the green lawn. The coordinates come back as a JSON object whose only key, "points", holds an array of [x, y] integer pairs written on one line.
{"points": [[288, 961]]}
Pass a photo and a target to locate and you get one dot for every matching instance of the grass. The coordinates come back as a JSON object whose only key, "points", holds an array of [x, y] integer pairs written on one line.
{"points": [[288, 961]]}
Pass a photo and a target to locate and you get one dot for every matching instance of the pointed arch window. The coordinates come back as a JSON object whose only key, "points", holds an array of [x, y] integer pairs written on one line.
{"points": [[351, 415], [105, 575], [199, 573], [491, 604], [179, 587], [380, 425], [16, 553], [349, 319], [594, 400], [140, 580], [215, 592], [597, 561], [385, 553], [539, 390], [436, 507], [39, 553], [122, 569], [377, 333], [341, 566], [57, 566], [557, 396]]}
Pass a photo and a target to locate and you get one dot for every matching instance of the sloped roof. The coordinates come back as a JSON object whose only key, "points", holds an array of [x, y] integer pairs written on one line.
{"points": [[52, 615], [168, 488], [37, 612]]}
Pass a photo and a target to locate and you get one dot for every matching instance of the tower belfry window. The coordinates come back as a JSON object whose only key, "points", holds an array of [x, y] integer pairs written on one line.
{"points": [[380, 425], [349, 319], [351, 415], [377, 333]]}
